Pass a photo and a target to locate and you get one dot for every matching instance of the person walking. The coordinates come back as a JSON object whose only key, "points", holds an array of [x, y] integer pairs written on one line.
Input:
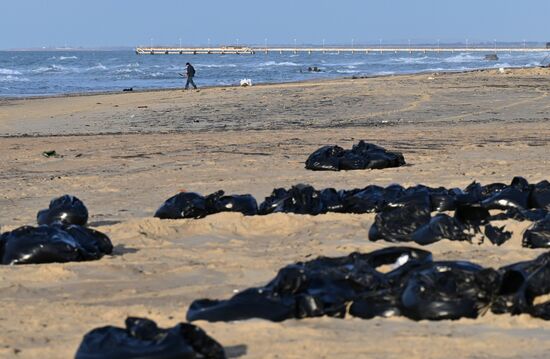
{"points": [[190, 70]]}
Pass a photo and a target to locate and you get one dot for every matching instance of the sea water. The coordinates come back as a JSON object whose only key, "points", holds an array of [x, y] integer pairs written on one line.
{"points": [[39, 73]]}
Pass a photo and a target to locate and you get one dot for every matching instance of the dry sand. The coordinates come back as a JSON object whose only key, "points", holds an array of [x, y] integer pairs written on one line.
{"points": [[123, 160]]}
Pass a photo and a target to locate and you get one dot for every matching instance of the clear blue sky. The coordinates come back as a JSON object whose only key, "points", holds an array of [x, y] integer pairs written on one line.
{"points": [[37, 23]]}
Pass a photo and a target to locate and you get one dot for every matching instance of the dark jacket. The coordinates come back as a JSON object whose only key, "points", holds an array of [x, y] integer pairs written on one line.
{"points": [[190, 71]]}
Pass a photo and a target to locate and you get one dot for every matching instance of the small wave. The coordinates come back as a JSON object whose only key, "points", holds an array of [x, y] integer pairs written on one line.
{"points": [[128, 71], [10, 78], [99, 66], [9, 72], [411, 60], [463, 57], [63, 58], [273, 63], [347, 71], [215, 65], [50, 68], [384, 73]]}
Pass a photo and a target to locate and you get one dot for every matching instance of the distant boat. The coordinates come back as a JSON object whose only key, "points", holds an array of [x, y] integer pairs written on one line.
{"points": [[491, 57]]}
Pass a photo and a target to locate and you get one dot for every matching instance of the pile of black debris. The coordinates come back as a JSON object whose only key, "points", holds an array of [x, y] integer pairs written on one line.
{"points": [[396, 281], [143, 339], [60, 237], [361, 156], [403, 214]]}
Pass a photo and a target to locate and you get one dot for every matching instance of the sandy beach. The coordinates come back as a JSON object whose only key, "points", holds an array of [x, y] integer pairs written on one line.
{"points": [[124, 154]]}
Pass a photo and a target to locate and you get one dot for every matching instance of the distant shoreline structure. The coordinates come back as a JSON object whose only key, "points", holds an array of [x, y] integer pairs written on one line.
{"points": [[456, 46], [251, 50]]}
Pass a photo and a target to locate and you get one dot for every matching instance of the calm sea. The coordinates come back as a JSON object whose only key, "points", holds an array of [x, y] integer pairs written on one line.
{"points": [[60, 72]]}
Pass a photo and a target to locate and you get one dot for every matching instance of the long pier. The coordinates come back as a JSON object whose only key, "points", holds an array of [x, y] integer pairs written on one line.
{"points": [[245, 50]]}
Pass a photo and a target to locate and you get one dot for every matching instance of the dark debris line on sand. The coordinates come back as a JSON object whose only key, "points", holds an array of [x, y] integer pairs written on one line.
{"points": [[403, 214], [416, 287]]}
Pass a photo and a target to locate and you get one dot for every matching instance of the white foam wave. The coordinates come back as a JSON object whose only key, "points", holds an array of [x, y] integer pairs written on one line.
{"points": [[9, 72], [274, 63], [384, 73], [347, 71], [128, 71], [50, 68], [63, 58], [463, 57], [99, 66], [411, 60], [215, 65], [10, 78]]}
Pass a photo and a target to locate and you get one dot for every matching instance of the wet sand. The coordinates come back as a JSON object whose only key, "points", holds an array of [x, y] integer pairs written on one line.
{"points": [[124, 154]]}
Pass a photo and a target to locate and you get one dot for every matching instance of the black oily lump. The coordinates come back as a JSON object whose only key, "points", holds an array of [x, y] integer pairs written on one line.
{"points": [[60, 237], [396, 281], [143, 339], [361, 156]]}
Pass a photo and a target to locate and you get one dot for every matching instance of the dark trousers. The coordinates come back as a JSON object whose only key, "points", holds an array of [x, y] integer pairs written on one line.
{"points": [[190, 81]]}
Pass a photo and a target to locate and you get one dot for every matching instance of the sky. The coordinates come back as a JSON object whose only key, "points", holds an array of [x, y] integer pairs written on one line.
{"points": [[106, 23]]}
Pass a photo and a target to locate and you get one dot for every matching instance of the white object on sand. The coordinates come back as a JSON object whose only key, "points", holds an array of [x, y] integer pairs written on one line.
{"points": [[501, 70], [246, 82]]}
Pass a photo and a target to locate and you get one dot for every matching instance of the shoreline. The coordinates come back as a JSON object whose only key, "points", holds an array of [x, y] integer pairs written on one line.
{"points": [[282, 105], [320, 80]]}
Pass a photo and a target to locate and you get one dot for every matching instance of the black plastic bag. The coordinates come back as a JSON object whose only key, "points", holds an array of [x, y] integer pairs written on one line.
{"points": [[245, 204], [497, 235], [142, 339], [539, 235], [540, 196], [448, 290], [55, 243], [183, 205], [325, 158], [299, 199], [400, 219], [66, 209], [194, 205], [367, 200], [521, 284], [441, 227], [323, 286], [362, 156]]}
